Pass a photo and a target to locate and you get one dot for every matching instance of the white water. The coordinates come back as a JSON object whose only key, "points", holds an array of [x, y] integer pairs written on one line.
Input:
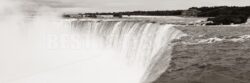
{"points": [[139, 45], [45, 49], [59, 51]]}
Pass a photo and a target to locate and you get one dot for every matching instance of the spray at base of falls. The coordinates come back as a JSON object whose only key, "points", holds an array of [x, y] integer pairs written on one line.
{"points": [[110, 51], [143, 47], [123, 52]]}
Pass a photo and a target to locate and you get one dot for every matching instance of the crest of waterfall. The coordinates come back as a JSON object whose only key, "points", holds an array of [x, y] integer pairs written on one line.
{"points": [[143, 46]]}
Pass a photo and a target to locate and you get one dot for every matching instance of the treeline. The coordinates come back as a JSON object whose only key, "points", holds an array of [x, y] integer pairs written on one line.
{"points": [[217, 15], [220, 10], [228, 19], [194, 11], [151, 13], [221, 15]]}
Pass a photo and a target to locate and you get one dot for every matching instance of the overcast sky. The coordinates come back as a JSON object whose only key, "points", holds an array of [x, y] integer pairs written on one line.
{"points": [[128, 5]]}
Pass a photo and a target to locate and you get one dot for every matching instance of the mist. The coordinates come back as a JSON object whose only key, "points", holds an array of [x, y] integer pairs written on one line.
{"points": [[38, 46]]}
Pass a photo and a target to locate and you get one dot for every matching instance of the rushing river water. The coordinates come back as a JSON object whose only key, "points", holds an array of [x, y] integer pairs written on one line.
{"points": [[52, 50]]}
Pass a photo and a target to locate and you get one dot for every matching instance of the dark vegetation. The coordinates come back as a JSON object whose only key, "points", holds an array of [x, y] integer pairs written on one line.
{"points": [[221, 15], [221, 10], [91, 15], [228, 19], [118, 15], [218, 15], [66, 16], [151, 13], [194, 11]]}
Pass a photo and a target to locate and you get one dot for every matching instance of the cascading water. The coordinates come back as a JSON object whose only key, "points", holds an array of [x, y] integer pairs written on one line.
{"points": [[140, 45], [48, 50]]}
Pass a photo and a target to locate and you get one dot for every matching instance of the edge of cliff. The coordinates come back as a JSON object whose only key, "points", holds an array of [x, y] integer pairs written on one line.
{"points": [[216, 54]]}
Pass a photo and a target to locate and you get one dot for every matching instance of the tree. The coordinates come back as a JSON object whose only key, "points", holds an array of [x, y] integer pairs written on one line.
{"points": [[66, 16], [118, 15], [91, 15], [191, 12], [228, 19]]}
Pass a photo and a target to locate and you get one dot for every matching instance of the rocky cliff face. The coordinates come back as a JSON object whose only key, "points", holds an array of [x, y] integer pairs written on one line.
{"points": [[217, 62]]}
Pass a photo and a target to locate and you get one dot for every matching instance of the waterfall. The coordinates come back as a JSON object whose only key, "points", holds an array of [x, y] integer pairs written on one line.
{"points": [[55, 50], [144, 47]]}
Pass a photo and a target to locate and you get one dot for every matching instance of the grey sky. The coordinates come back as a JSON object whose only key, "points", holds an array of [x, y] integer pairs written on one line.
{"points": [[127, 5]]}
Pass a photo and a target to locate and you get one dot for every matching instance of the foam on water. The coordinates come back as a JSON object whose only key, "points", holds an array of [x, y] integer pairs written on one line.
{"points": [[140, 45], [46, 49], [58, 51]]}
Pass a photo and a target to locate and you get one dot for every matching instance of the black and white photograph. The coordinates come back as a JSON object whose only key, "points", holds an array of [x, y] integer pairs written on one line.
{"points": [[124, 41]]}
